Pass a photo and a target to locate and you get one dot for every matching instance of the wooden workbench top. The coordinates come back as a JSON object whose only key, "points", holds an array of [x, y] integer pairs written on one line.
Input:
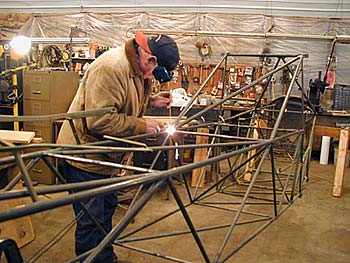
{"points": [[22, 137]]}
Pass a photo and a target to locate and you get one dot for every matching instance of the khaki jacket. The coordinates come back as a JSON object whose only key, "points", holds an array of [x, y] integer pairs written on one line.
{"points": [[114, 79]]}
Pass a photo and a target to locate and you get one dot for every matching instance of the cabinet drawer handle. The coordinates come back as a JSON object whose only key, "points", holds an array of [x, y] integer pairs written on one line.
{"points": [[36, 92], [35, 170]]}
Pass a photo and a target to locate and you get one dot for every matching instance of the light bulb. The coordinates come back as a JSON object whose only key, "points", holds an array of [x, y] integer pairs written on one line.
{"points": [[21, 44]]}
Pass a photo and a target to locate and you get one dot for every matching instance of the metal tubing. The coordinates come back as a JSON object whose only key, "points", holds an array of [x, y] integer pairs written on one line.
{"points": [[303, 93], [284, 105], [26, 177], [74, 130], [43, 190], [184, 232], [154, 254], [60, 116], [253, 83], [146, 178], [212, 205], [188, 220], [273, 181], [245, 242], [154, 148], [116, 231], [138, 229], [83, 207], [197, 8], [102, 163], [266, 86], [245, 198], [202, 195], [203, 168], [245, 34], [58, 148], [57, 174], [61, 201], [195, 96], [18, 177], [264, 146], [216, 135]]}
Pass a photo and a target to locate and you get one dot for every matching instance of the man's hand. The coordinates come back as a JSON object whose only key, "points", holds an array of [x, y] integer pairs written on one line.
{"points": [[162, 99], [153, 126]]}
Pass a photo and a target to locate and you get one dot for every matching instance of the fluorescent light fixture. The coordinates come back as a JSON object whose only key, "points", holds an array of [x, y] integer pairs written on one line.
{"points": [[60, 40], [20, 44]]}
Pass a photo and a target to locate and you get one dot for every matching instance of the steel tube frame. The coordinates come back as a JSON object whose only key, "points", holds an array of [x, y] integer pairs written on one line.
{"points": [[278, 188]]}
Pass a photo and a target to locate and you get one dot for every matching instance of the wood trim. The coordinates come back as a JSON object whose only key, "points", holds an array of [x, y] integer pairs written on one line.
{"points": [[341, 162], [327, 131], [23, 137]]}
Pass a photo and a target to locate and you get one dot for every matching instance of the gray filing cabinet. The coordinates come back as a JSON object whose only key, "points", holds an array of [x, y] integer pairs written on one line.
{"points": [[46, 92]]}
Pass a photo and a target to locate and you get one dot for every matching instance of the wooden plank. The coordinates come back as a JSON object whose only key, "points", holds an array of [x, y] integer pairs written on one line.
{"points": [[341, 162], [200, 154], [23, 137], [321, 130], [248, 167], [327, 131]]}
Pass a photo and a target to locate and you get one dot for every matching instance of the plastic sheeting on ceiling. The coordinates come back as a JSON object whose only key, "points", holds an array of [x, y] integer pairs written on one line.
{"points": [[315, 8], [223, 32]]}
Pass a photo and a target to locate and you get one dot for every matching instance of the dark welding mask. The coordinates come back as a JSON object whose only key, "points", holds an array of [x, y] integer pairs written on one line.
{"points": [[161, 74]]}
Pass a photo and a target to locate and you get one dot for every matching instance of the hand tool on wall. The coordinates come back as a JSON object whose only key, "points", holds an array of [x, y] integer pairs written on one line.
{"points": [[184, 75], [273, 81], [196, 75], [205, 73]]}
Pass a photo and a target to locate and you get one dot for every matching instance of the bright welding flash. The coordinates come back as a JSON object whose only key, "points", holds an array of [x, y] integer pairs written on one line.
{"points": [[171, 130]]}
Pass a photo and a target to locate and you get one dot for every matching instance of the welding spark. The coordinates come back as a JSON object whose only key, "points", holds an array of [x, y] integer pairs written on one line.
{"points": [[171, 130]]}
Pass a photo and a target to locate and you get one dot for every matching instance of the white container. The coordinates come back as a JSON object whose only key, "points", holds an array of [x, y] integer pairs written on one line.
{"points": [[326, 141]]}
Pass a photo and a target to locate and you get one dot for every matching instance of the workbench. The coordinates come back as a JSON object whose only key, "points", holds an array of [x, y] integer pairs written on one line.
{"points": [[328, 124], [335, 125]]}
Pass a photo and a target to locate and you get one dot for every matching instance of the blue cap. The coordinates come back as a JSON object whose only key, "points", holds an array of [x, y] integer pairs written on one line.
{"points": [[163, 47]]}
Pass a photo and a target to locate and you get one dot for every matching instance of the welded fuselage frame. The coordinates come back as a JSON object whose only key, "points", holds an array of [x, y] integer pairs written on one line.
{"points": [[284, 185]]}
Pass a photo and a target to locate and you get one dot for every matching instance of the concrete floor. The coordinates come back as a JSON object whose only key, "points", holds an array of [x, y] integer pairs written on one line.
{"points": [[315, 229]]}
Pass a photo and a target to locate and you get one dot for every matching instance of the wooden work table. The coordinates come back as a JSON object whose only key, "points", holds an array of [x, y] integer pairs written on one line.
{"points": [[335, 125], [327, 124]]}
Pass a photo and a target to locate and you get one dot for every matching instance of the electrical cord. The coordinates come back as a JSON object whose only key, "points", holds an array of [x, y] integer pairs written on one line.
{"points": [[51, 56]]}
